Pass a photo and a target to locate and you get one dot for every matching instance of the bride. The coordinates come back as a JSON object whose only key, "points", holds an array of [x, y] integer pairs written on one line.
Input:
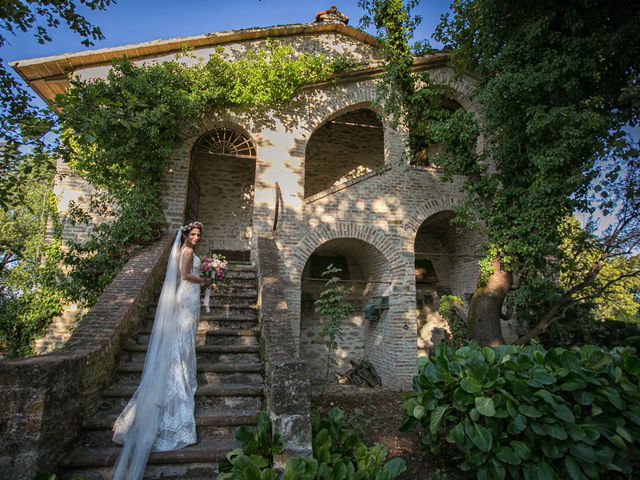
{"points": [[160, 415]]}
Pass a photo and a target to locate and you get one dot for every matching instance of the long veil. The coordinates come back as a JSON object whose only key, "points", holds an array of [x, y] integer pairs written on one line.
{"points": [[137, 426]]}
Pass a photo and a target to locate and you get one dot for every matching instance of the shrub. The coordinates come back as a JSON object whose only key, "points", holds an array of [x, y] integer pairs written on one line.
{"points": [[525, 412], [338, 454]]}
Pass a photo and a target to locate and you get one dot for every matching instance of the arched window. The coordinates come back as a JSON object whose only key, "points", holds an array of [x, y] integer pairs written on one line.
{"points": [[225, 141]]}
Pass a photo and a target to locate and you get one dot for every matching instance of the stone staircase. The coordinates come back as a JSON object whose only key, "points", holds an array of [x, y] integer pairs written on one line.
{"points": [[230, 389]]}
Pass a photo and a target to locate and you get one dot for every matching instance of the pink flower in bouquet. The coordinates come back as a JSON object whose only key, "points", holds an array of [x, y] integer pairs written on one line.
{"points": [[214, 268]]}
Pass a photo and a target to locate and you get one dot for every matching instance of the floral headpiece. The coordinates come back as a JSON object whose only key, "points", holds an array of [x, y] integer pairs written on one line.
{"points": [[189, 226]]}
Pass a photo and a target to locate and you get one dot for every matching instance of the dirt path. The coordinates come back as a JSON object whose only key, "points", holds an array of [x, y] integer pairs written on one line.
{"points": [[380, 414]]}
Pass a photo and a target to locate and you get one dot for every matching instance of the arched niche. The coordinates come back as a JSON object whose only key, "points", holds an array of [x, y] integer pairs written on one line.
{"points": [[366, 277], [446, 263], [221, 190], [344, 147]]}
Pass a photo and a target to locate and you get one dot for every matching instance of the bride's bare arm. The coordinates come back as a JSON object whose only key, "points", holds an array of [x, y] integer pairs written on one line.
{"points": [[185, 272]]}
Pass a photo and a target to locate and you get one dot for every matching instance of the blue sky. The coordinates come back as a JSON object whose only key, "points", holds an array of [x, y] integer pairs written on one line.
{"points": [[136, 21]]}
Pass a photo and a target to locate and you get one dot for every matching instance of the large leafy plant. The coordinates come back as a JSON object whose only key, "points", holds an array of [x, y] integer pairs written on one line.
{"points": [[525, 412], [338, 454]]}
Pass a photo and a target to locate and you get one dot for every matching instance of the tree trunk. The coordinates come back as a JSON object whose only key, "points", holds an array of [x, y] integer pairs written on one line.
{"points": [[486, 307]]}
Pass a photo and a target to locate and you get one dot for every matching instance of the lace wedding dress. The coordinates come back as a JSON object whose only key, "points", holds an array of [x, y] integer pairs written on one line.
{"points": [[160, 415]]}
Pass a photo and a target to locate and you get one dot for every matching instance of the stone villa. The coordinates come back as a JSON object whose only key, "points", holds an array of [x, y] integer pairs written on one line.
{"points": [[325, 180]]}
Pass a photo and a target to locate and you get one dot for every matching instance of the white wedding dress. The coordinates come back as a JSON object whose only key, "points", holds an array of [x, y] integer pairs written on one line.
{"points": [[160, 415], [177, 424]]}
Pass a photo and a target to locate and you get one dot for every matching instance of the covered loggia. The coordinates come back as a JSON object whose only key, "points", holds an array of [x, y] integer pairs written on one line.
{"points": [[366, 277], [221, 190], [344, 147], [445, 264]]}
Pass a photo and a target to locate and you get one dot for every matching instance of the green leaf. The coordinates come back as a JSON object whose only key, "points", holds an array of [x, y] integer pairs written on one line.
{"points": [[485, 406], [517, 425], [395, 467], [489, 354], [530, 411], [631, 364], [470, 385], [545, 472], [456, 434], [408, 424], [563, 413], [521, 449], [507, 455], [573, 468], [436, 418], [624, 434], [480, 436], [419, 411]]}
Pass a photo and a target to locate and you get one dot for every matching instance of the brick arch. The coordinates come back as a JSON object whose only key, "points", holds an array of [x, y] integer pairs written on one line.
{"points": [[459, 88], [341, 101], [418, 216], [344, 230], [175, 179], [230, 121]]}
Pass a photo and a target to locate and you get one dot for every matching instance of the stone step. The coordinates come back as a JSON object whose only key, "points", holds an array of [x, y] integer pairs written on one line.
{"points": [[221, 336], [96, 439], [209, 322], [174, 471], [225, 390], [241, 267], [106, 420], [205, 451], [207, 373], [229, 291], [204, 405], [204, 353], [239, 276], [221, 309]]}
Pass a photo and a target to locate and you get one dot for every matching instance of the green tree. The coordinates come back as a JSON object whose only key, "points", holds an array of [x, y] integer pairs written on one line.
{"points": [[24, 125], [334, 308], [558, 84], [29, 293]]}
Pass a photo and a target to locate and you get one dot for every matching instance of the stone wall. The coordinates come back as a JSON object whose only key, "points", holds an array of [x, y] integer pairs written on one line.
{"points": [[45, 399], [226, 201], [339, 151], [287, 386]]}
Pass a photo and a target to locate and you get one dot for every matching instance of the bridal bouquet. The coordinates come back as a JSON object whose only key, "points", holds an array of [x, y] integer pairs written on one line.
{"points": [[215, 268]]}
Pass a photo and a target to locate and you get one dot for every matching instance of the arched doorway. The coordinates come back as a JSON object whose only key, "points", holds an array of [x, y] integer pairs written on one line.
{"points": [[366, 277], [446, 263], [221, 190], [343, 148]]}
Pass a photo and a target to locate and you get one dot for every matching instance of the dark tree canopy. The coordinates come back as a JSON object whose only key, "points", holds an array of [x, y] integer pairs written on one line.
{"points": [[22, 123], [558, 84]]}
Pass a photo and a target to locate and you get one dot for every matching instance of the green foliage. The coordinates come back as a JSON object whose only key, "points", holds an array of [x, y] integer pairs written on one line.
{"points": [[458, 329], [582, 329], [519, 412], [611, 295], [254, 459], [557, 86], [30, 292], [338, 454], [333, 307], [23, 124]]}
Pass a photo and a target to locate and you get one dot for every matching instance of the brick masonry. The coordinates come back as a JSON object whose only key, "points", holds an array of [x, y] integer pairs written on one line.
{"points": [[304, 147]]}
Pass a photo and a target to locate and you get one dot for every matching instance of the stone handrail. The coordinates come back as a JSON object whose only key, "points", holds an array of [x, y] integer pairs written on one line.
{"points": [[287, 380], [45, 399]]}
